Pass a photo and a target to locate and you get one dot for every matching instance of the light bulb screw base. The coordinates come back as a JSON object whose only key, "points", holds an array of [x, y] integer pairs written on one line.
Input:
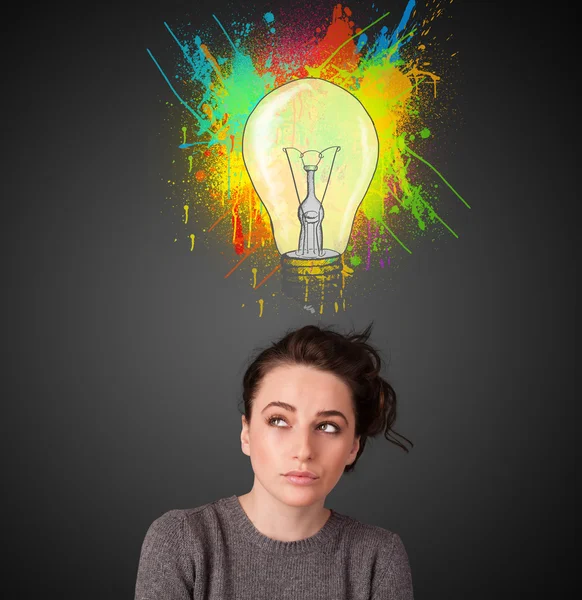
{"points": [[312, 280]]}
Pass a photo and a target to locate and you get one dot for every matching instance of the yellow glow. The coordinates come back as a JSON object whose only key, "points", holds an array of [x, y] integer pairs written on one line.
{"points": [[310, 114]]}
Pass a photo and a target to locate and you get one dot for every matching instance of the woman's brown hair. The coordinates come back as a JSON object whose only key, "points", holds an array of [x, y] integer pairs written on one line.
{"points": [[351, 358]]}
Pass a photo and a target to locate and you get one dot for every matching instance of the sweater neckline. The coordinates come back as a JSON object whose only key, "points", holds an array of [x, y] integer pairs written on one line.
{"points": [[245, 527]]}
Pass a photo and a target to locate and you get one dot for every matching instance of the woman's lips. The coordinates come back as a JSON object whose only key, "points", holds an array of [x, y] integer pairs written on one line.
{"points": [[300, 480]]}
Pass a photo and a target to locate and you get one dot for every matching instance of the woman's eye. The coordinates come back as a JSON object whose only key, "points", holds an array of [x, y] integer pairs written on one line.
{"points": [[334, 428]]}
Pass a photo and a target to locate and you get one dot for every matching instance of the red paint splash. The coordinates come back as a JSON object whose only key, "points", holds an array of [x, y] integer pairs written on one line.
{"points": [[239, 238], [339, 31], [299, 48]]}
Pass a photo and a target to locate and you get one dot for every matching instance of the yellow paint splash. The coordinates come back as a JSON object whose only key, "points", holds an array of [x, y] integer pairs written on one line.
{"points": [[186, 209], [261, 303], [192, 237], [250, 211]]}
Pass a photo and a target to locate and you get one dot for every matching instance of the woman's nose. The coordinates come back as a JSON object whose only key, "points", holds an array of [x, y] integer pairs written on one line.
{"points": [[304, 444]]}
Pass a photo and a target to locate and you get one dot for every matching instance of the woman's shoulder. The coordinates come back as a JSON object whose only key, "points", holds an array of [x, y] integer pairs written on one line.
{"points": [[185, 522], [364, 528], [369, 537], [199, 512], [384, 550]]}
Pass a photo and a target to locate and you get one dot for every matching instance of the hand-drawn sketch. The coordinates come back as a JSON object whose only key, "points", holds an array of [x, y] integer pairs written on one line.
{"points": [[308, 144], [308, 201]]}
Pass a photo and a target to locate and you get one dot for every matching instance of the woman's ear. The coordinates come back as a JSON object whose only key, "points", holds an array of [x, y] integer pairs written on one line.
{"points": [[354, 450], [244, 436]]}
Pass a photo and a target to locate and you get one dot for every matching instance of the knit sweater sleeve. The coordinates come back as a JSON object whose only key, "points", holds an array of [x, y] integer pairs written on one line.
{"points": [[396, 581], [165, 572]]}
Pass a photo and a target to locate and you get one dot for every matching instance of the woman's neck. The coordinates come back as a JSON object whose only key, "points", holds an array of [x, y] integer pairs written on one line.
{"points": [[280, 521]]}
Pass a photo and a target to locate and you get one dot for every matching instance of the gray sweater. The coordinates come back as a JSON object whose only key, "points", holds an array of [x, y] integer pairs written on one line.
{"points": [[214, 552]]}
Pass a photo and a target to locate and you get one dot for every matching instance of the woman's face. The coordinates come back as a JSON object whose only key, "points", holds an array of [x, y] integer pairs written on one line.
{"points": [[293, 437]]}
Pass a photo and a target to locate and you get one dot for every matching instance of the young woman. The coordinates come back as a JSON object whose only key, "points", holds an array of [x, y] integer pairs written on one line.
{"points": [[311, 400]]}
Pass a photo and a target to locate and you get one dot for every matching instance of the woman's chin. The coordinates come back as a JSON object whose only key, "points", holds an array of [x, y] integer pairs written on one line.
{"points": [[305, 496]]}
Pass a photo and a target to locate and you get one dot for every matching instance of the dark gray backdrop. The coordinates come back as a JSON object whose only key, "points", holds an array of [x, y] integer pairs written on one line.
{"points": [[124, 352]]}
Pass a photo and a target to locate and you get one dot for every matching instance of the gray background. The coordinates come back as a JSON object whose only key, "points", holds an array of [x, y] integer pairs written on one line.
{"points": [[124, 352]]}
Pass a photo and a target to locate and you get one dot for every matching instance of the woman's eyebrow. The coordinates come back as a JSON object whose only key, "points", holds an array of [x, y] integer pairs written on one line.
{"points": [[321, 413]]}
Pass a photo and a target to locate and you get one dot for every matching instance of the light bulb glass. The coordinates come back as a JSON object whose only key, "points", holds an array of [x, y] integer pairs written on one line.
{"points": [[310, 115]]}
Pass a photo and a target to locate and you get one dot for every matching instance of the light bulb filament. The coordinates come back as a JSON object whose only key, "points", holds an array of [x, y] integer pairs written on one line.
{"points": [[310, 212]]}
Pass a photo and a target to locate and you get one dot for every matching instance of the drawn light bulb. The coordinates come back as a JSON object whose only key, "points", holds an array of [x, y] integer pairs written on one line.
{"points": [[310, 149]]}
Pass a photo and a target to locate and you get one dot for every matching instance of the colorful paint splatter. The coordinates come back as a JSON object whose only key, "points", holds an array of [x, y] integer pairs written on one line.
{"points": [[391, 63]]}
